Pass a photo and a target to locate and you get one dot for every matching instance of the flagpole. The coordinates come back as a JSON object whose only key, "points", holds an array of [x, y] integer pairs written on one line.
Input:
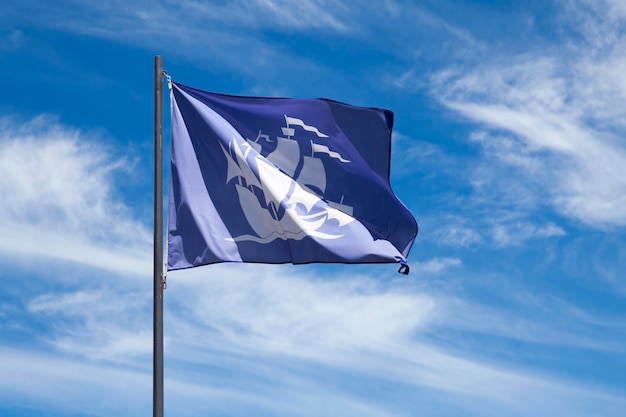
{"points": [[157, 381]]}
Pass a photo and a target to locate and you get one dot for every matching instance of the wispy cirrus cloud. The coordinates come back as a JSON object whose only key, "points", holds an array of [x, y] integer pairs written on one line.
{"points": [[243, 36], [65, 385], [437, 265], [231, 34], [352, 324], [60, 198], [560, 108], [82, 328], [282, 330]]}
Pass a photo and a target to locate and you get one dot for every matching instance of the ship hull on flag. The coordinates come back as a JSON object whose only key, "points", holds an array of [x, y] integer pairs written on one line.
{"points": [[272, 180]]}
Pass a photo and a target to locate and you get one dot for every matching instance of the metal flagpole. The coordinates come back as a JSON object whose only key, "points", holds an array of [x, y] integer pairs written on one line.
{"points": [[157, 381]]}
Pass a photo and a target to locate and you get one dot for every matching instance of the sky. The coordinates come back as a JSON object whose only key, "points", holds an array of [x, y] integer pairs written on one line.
{"points": [[509, 148]]}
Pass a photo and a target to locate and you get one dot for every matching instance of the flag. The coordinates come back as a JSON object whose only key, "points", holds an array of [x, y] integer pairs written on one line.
{"points": [[275, 180]]}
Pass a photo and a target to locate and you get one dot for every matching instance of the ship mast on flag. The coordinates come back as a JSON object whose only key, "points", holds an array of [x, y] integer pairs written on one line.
{"points": [[293, 189]]}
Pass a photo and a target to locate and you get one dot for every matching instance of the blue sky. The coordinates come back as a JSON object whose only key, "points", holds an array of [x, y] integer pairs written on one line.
{"points": [[508, 148]]}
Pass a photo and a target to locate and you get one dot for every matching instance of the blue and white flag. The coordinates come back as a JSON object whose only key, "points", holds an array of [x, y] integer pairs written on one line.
{"points": [[273, 180]]}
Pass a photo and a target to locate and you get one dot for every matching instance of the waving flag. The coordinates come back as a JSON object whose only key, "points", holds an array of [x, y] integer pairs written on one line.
{"points": [[274, 180]]}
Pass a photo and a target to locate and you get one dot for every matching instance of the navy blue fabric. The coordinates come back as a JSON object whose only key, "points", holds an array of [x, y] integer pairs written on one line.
{"points": [[236, 195]]}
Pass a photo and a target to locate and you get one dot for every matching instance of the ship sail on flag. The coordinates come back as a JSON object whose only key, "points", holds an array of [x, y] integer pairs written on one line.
{"points": [[276, 180]]}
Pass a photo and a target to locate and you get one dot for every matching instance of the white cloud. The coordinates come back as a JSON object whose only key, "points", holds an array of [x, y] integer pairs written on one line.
{"points": [[296, 316], [247, 335], [60, 198], [539, 320], [519, 232], [451, 231], [355, 325], [241, 35], [502, 226], [98, 324], [53, 383], [60, 383], [562, 107], [226, 33], [410, 155], [436, 265]]}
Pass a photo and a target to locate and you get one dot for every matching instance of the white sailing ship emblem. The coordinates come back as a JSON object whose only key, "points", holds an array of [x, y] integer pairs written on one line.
{"points": [[282, 194]]}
